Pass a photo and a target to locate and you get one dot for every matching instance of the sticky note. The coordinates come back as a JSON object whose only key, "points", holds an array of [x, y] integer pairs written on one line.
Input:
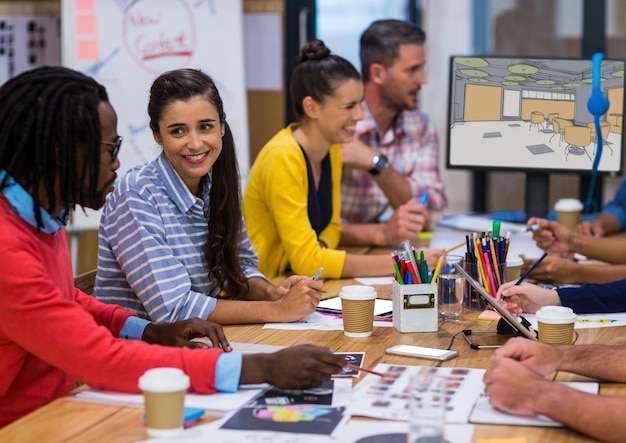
{"points": [[81, 5], [489, 315], [88, 50], [84, 5], [85, 24]]}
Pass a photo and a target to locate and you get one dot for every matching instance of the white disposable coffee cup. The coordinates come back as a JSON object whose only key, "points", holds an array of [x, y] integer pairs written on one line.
{"points": [[568, 211], [556, 324], [164, 398], [357, 306], [514, 266]]}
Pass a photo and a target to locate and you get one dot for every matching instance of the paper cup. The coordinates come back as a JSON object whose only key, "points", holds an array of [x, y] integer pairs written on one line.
{"points": [[357, 305], [556, 324], [568, 211], [514, 268], [164, 398]]}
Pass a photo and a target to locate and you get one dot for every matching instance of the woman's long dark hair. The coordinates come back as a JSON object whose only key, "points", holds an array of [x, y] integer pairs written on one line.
{"points": [[50, 136], [222, 248]]}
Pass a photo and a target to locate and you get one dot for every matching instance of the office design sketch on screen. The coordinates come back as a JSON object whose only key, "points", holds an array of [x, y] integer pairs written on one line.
{"points": [[530, 114]]}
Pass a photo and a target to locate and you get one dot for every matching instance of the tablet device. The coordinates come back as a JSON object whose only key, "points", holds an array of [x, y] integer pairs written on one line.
{"points": [[491, 301]]}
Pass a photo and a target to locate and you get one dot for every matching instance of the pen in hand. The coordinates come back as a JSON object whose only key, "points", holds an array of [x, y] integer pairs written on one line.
{"points": [[521, 279], [532, 228], [424, 199], [318, 274]]}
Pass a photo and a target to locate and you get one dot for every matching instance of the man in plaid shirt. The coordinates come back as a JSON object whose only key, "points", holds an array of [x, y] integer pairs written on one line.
{"points": [[392, 165]]}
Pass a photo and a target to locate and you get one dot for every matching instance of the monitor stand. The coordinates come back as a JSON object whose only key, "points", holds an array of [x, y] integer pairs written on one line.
{"points": [[537, 194]]}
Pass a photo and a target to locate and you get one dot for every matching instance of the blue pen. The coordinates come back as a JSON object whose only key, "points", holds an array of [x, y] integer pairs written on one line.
{"points": [[521, 279], [424, 199]]}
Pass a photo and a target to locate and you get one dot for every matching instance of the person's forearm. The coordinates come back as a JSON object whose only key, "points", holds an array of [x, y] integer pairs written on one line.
{"points": [[362, 234], [254, 368], [230, 312], [260, 290], [608, 223], [598, 416], [397, 189], [610, 250], [361, 265], [595, 361], [597, 273]]}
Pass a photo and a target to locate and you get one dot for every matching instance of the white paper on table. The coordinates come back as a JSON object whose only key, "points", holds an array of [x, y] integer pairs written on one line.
{"points": [[219, 403], [320, 322], [484, 413], [350, 432], [381, 306], [376, 398], [587, 321]]}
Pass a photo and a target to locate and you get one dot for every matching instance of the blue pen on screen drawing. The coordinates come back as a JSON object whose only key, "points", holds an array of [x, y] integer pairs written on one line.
{"points": [[424, 199], [521, 279]]}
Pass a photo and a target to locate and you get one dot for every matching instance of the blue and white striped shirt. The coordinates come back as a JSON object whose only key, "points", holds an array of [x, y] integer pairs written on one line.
{"points": [[151, 240]]}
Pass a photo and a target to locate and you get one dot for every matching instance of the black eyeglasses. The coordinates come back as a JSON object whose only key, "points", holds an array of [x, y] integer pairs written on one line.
{"points": [[116, 146]]}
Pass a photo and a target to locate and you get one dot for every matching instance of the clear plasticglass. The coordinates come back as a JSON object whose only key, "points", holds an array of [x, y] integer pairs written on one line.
{"points": [[450, 290], [427, 407]]}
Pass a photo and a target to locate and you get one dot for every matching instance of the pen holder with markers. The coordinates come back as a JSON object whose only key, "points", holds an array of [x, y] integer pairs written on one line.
{"points": [[414, 307], [472, 299]]}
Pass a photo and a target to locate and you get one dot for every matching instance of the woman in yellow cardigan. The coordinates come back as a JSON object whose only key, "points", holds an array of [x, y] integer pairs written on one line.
{"points": [[292, 198]]}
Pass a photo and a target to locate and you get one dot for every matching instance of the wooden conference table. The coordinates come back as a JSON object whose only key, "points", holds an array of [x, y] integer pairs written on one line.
{"points": [[71, 420]]}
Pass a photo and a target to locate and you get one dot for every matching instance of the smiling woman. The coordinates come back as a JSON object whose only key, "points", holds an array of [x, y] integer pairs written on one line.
{"points": [[172, 244], [291, 203]]}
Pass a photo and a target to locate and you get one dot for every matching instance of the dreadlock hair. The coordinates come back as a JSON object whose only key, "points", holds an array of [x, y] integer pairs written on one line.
{"points": [[50, 136], [221, 250], [317, 74], [380, 42]]}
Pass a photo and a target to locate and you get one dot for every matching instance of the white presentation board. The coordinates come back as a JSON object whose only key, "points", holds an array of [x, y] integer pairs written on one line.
{"points": [[126, 44]]}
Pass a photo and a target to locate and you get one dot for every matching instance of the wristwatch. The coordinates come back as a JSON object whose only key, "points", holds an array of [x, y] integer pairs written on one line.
{"points": [[380, 162]]}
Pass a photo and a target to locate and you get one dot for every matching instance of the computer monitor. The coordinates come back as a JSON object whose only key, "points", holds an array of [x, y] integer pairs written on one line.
{"points": [[530, 114]]}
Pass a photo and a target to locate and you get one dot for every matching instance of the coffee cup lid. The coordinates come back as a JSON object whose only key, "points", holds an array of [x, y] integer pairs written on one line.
{"points": [[515, 260], [164, 380], [556, 315], [358, 292], [568, 204]]}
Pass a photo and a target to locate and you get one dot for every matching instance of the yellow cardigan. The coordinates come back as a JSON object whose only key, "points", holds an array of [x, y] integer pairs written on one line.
{"points": [[276, 212]]}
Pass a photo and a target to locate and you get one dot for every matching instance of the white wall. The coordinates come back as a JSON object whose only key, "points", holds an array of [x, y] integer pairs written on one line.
{"points": [[448, 27]]}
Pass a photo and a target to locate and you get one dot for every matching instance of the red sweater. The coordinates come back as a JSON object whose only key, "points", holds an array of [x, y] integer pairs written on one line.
{"points": [[51, 333]]}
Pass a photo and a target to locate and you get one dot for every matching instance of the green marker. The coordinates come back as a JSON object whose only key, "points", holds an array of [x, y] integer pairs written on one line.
{"points": [[496, 228]]}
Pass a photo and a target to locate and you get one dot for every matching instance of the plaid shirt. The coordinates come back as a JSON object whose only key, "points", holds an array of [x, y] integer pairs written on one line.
{"points": [[412, 147]]}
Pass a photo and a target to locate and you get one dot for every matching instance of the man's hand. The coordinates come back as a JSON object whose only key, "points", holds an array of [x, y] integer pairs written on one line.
{"points": [[513, 388], [179, 334], [590, 229], [298, 367], [554, 270], [357, 155], [538, 357], [406, 222], [553, 236]]}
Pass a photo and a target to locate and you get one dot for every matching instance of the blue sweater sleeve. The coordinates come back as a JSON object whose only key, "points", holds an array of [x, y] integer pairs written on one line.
{"points": [[595, 298], [617, 206]]}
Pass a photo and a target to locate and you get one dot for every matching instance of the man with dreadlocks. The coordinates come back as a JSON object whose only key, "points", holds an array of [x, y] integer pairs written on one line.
{"points": [[58, 149]]}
